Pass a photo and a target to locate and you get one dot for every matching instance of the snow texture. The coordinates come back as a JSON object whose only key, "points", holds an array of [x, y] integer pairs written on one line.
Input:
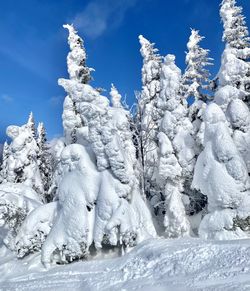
{"points": [[158, 264]]}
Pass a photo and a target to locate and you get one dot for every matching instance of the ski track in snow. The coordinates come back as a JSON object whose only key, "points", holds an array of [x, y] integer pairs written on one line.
{"points": [[156, 264]]}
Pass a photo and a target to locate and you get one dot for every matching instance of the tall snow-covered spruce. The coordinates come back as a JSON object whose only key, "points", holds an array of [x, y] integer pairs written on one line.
{"points": [[148, 117], [195, 82], [221, 174], [176, 150], [80, 74], [234, 74]]}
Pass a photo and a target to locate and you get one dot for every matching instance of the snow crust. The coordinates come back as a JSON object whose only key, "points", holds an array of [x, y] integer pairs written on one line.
{"points": [[158, 264]]}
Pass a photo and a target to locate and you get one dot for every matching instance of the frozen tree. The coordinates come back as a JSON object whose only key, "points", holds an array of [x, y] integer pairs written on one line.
{"points": [[235, 30], [124, 124], [148, 118], [31, 124], [234, 74], [22, 165], [76, 59], [96, 129], [177, 151], [115, 97], [45, 160], [195, 81], [80, 74], [221, 175]]}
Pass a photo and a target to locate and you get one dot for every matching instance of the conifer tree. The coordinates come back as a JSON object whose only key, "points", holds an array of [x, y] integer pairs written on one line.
{"points": [[22, 164], [235, 33], [177, 151], [195, 79], [44, 159], [221, 175], [148, 116], [31, 124], [115, 97], [234, 74], [80, 73]]}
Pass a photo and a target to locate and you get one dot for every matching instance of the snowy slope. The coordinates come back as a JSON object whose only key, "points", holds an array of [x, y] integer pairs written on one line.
{"points": [[157, 264]]}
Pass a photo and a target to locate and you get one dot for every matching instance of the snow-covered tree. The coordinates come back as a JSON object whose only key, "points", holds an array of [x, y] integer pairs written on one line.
{"points": [[115, 97], [76, 59], [21, 165], [195, 81], [80, 73], [235, 30], [177, 151], [221, 175], [31, 124], [45, 160], [148, 117], [234, 74], [96, 129]]}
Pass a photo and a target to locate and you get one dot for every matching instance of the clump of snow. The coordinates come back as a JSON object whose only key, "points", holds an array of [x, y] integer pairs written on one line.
{"points": [[239, 116]]}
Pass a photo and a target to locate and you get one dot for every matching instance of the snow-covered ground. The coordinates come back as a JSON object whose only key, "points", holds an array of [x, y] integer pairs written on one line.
{"points": [[156, 264]]}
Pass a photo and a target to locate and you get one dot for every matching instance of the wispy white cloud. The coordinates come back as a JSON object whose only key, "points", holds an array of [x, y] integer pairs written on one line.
{"points": [[6, 98], [56, 100], [28, 61], [100, 15]]}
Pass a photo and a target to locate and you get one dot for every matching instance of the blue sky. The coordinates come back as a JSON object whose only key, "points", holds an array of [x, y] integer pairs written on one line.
{"points": [[33, 47]]}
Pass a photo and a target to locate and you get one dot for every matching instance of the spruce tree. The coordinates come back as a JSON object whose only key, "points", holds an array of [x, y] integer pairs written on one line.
{"points": [[177, 152], [80, 73], [234, 74], [45, 161], [22, 163], [235, 29], [148, 116], [31, 124], [221, 175], [195, 80]]}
